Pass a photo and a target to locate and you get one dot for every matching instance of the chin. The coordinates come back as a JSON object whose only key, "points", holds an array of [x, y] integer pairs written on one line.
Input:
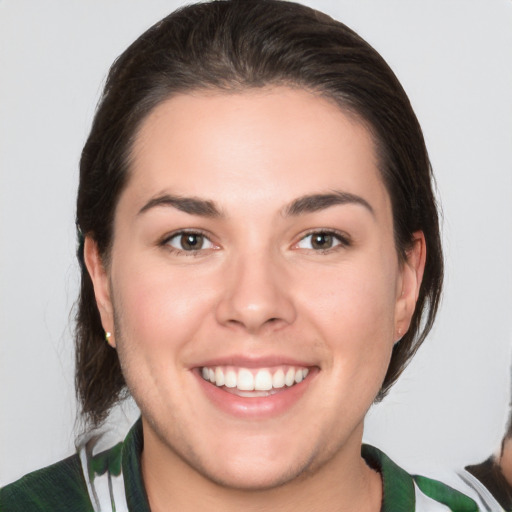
{"points": [[258, 462], [250, 477]]}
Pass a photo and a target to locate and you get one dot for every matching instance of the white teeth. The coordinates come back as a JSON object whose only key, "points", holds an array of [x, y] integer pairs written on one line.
{"points": [[219, 377], [278, 379], [254, 381], [245, 380], [263, 380], [230, 379], [290, 377]]}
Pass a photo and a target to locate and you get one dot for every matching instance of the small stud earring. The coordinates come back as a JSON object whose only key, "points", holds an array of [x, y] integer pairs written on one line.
{"points": [[108, 335]]}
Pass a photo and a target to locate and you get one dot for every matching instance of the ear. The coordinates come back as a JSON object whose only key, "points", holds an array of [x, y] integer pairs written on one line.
{"points": [[410, 282], [101, 284]]}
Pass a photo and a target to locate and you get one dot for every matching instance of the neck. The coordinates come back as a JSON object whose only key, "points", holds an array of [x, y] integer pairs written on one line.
{"points": [[343, 483]]}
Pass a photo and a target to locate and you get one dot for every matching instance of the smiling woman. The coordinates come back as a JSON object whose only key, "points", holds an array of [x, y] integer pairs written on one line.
{"points": [[277, 279], [259, 246]]}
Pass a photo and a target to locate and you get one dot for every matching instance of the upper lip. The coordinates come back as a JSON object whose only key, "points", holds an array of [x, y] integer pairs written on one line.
{"points": [[247, 361]]}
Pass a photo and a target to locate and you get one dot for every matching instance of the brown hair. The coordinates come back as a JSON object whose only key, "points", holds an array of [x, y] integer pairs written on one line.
{"points": [[235, 45]]}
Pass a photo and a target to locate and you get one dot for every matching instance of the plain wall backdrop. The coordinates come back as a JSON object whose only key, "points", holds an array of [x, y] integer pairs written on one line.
{"points": [[453, 57]]}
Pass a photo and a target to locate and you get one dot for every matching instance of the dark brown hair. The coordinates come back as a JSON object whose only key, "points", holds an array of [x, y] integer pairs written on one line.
{"points": [[236, 45]]}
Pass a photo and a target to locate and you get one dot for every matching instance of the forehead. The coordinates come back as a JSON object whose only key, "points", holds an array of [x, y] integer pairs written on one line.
{"points": [[277, 143]]}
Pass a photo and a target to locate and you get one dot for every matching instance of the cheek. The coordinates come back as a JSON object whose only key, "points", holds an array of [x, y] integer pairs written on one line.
{"points": [[353, 309], [355, 298], [160, 307]]}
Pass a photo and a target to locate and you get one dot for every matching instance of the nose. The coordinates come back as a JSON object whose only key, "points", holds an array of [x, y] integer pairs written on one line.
{"points": [[256, 295]]}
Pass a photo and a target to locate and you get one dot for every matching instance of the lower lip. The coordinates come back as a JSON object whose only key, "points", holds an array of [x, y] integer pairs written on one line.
{"points": [[261, 407]]}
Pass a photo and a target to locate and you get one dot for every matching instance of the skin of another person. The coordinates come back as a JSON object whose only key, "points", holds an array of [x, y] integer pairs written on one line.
{"points": [[505, 460], [255, 232]]}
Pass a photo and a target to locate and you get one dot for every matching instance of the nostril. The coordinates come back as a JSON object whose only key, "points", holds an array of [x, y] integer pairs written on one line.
{"points": [[235, 322]]}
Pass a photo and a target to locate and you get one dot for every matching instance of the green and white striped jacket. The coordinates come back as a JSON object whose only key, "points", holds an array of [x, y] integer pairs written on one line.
{"points": [[111, 481]]}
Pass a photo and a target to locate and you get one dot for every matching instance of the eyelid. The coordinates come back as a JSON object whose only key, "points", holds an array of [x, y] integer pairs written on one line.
{"points": [[343, 238], [164, 242]]}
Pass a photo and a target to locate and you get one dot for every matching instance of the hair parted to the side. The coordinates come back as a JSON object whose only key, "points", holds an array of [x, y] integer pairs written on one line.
{"points": [[233, 45]]}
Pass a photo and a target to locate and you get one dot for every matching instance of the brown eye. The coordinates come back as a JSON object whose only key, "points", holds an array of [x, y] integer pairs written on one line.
{"points": [[189, 241], [322, 241]]}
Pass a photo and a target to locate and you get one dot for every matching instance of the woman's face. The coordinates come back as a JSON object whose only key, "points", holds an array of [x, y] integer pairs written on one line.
{"points": [[253, 246]]}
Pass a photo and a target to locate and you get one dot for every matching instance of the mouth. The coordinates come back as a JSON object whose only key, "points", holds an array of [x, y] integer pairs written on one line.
{"points": [[254, 382]]}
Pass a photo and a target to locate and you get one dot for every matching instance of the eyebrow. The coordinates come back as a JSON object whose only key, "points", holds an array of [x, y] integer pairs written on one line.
{"points": [[300, 206], [190, 205], [315, 202]]}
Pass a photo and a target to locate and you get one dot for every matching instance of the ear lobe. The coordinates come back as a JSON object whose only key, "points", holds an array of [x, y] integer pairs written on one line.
{"points": [[412, 276], [101, 285]]}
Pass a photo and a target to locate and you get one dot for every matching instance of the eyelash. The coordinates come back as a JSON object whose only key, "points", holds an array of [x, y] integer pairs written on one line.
{"points": [[191, 252], [343, 240]]}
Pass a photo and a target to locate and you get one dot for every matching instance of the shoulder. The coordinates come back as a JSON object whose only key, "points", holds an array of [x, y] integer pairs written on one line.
{"points": [[101, 476], [483, 480], [59, 487], [432, 490], [403, 492]]}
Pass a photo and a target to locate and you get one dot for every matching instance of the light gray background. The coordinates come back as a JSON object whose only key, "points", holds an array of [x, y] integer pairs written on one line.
{"points": [[454, 58]]}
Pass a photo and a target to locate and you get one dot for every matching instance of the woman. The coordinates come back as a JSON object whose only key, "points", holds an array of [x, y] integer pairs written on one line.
{"points": [[260, 259]]}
